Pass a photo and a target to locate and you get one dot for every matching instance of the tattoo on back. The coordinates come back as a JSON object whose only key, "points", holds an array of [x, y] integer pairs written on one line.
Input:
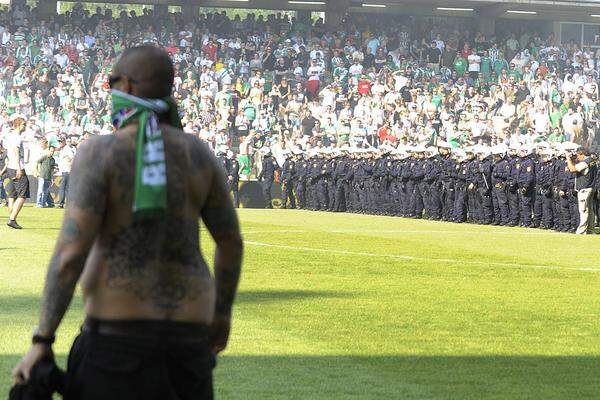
{"points": [[158, 262], [88, 188]]}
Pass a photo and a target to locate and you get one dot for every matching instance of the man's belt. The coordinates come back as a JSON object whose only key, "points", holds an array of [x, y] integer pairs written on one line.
{"points": [[149, 329]]}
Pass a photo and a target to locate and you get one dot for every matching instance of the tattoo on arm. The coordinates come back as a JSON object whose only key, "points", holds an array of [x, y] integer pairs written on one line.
{"points": [[221, 220], [87, 201], [63, 273], [88, 187]]}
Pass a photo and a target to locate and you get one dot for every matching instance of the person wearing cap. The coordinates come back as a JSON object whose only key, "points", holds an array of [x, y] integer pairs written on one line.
{"points": [[563, 182], [17, 188], [447, 179], [233, 178], [500, 174], [483, 182], [512, 186], [322, 181], [473, 210], [287, 180], [341, 177], [461, 175], [525, 183], [433, 172], [585, 170], [331, 178], [312, 173], [417, 174], [302, 166], [267, 175], [544, 188]]}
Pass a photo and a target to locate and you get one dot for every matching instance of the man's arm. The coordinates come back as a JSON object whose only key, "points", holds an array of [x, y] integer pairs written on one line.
{"points": [[575, 167], [87, 203], [221, 221], [82, 221]]}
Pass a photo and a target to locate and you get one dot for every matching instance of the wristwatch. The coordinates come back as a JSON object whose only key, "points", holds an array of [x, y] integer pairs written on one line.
{"points": [[39, 339]]}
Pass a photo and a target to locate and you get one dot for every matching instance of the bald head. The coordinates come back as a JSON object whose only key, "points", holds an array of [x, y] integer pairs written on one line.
{"points": [[149, 69]]}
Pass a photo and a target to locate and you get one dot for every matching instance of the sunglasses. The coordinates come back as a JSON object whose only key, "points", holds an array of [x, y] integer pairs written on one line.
{"points": [[113, 80]]}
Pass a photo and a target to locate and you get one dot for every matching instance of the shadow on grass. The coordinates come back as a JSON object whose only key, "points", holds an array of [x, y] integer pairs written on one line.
{"points": [[260, 296], [25, 304], [395, 377]]}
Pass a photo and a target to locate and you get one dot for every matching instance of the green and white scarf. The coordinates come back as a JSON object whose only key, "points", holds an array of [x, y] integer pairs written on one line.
{"points": [[150, 195]]}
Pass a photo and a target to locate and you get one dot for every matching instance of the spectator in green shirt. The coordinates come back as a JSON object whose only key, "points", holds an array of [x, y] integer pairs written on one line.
{"points": [[557, 136]]}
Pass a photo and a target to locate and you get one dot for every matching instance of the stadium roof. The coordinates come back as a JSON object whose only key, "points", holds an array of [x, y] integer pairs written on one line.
{"points": [[539, 9]]}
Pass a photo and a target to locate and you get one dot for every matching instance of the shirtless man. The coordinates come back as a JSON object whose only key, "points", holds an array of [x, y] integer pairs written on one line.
{"points": [[154, 317]]}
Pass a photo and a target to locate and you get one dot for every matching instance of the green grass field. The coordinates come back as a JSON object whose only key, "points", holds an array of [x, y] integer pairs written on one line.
{"points": [[335, 306]]}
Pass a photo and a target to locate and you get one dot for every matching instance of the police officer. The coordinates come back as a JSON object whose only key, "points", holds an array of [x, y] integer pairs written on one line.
{"points": [[447, 178], [500, 173], [460, 186], [301, 176], [222, 156], [334, 157], [341, 177], [473, 212], [416, 173], [267, 175], [483, 182], [287, 179], [544, 187], [434, 183], [525, 182], [512, 184], [233, 177], [322, 180]]}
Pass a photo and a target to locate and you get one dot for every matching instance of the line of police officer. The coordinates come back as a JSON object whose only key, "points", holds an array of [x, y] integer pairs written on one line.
{"points": [[499, 186], [232, 170]]}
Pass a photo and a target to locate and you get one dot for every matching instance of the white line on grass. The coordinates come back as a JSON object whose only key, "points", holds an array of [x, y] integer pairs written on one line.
{"points": [[442, 231], [406, 231], [275, 231], [413, 258]]}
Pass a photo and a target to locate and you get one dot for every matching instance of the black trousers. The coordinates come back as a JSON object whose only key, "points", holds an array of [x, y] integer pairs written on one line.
{"points": [[168, 360], [266, 189]]}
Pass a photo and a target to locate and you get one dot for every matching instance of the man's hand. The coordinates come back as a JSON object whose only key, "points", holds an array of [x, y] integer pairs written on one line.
{"points": [[219, 333], [471, 186], [36, 353]]}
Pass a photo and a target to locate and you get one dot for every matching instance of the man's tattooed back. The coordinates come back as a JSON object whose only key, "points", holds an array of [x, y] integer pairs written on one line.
{"points": [[154, 268]]}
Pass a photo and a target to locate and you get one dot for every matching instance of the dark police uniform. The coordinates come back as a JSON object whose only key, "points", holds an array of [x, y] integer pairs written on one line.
{"points": [[525, 181], [500, 173], [267, 176], [234, 181], [287, 180]]}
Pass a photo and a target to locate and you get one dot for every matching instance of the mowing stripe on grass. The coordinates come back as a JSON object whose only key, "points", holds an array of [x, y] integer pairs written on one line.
{"points": [[413, 258]]}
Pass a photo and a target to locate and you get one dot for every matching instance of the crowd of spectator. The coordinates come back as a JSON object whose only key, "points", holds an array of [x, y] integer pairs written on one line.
{"points": [[278, 82]]}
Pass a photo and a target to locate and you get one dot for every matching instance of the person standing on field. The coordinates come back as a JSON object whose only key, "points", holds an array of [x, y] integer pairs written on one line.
{"points": [[17, 186], [65, 161], [585, 173], [155, 317]]}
